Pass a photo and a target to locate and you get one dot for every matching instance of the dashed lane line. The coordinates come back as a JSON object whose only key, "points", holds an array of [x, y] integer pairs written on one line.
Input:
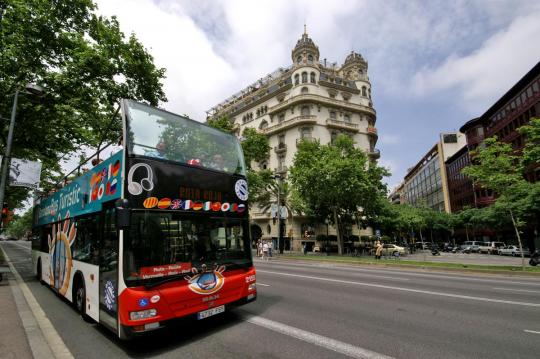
{"points": [[440, 294], [316, 339], [518, 290]]}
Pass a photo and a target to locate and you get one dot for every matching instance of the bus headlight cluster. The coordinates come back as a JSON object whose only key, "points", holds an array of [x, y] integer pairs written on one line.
{"points": [[252, 287], [143, 314]]}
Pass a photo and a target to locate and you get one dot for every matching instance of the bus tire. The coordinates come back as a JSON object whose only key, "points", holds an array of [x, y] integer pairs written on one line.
{"points": [[79, 298], [39, 272]]}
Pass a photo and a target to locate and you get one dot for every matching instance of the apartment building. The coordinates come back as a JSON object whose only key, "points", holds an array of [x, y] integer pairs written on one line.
{"points": [[310, 99]]}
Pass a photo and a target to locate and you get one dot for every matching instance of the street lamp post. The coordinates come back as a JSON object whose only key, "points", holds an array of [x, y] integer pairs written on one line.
{"points": [[32, 89], [280, 229]]}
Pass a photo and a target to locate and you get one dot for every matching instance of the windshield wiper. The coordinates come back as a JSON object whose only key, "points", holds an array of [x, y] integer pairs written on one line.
{"points": [[170, 278]]}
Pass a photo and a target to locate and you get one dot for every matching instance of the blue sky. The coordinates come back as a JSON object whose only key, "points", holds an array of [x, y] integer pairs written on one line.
{"points": [[433, 64]]}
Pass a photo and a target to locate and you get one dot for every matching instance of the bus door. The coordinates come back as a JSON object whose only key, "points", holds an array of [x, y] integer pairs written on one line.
{"points": [[108, 272]]}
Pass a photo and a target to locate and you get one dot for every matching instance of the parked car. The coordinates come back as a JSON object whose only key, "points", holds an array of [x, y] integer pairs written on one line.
{"points": [[513, 251], [471, 247], [491, 247]]}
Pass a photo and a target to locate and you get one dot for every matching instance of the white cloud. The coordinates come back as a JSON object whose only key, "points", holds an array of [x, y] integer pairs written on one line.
{"points": [[195, 73], [484, 75]]}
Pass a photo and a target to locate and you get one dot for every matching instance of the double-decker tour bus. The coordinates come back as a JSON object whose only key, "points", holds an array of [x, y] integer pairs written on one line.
{"points": [[157, 231]]}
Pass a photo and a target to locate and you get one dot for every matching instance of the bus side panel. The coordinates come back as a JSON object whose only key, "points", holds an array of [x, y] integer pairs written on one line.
{"points": [[91, 280]]}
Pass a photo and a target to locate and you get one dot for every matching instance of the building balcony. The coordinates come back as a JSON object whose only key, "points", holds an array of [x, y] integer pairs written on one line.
{"points": [[323, 100], [308, 139], [282, 147], [292, 122], [372, 131], [374, 153], [342, 124]]}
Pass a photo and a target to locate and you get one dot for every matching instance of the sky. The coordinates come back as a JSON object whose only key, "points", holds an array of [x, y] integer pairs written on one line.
{"points": [[433, 65]]}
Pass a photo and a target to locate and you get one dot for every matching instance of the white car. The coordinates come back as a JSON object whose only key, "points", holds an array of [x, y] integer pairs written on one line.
{"points": [[513, 251]]}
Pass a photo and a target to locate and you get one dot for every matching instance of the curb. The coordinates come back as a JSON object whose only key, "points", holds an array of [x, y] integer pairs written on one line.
{"points": [[44, 340]]}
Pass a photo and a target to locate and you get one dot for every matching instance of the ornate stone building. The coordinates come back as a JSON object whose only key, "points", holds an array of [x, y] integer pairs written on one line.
{"points": [[308, 100]]}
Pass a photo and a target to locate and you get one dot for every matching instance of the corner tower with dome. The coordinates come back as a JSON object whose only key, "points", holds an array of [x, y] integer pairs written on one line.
{"points": [[311, 99]]}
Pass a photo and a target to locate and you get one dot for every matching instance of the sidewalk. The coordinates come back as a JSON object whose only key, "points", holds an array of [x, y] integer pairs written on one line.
{"points": [[13, 340], [25, 330]]}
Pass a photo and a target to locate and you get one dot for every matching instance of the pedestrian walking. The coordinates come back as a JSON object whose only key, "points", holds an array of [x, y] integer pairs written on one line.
{"points": [[259, 249], [270, 249], [378, 250], [265, 251]]}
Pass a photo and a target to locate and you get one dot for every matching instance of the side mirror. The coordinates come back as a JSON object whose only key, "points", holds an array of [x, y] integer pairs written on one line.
{"points": [[123, 214]]}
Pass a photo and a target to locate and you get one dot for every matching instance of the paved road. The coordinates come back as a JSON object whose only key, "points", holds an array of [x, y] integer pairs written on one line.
{"points": [[325, 311]]}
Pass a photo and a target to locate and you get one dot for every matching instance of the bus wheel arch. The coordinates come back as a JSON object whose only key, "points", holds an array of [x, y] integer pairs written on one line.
{"points": [[39, 271]]}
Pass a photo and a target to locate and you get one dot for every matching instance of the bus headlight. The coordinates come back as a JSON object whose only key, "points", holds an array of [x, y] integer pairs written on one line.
{"points": [[252, 287], [143, 314]]}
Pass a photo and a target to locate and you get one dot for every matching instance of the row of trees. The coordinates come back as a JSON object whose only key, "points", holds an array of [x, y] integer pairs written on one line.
{"points": [[337, 184], [84, 63]]}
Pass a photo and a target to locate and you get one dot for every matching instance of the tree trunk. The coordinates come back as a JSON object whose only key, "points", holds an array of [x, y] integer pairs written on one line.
{"points": [[338, 233], [466, 233], [519, 241]]}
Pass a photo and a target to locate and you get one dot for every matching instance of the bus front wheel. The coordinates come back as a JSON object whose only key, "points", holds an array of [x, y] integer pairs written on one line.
{"points": [[80, 300]]}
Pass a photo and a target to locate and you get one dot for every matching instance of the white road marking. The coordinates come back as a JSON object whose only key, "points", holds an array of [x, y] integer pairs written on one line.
{"points": [[405, 273], [264, 285], [315, 339], [441, 294], [518, 290], [531, 331]]}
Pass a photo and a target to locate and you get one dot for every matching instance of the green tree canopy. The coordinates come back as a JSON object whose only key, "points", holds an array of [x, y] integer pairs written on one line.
{"points": [[84, 63], [255, 145], [497, 167], [336, 181]]}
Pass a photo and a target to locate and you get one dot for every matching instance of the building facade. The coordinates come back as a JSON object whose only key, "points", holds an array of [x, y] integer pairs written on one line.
{"points": [[425, 184], [307, 100], [513, 110]]}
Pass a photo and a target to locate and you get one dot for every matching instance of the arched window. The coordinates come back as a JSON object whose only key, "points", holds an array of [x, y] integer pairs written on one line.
{"points": [[299, 59], [347, 118], [281, 117], [304, 90], [304, 77], [333, 115], [312, 77], [263, 125], [364, 91], [304, 111], [310, 59], [296, 79]]}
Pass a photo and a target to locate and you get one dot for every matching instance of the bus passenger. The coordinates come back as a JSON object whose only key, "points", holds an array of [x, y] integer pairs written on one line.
{"points": [[159, 152]]}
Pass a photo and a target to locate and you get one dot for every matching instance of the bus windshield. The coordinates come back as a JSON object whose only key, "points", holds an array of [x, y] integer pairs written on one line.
{"points": [[161, 134], [162, 244]]}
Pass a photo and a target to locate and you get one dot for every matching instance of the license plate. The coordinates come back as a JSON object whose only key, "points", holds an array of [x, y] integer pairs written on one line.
{"points": [[212, 311]]}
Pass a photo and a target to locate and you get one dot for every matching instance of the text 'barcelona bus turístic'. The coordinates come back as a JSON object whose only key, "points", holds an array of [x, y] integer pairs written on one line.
{"points": [[157, 231]]}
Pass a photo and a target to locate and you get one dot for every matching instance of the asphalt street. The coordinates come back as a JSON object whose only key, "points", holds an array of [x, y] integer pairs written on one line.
{"points": [[331, 311]]}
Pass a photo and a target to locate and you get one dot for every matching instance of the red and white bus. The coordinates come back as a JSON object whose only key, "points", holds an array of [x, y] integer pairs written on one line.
{"points": [[156, 232]]}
